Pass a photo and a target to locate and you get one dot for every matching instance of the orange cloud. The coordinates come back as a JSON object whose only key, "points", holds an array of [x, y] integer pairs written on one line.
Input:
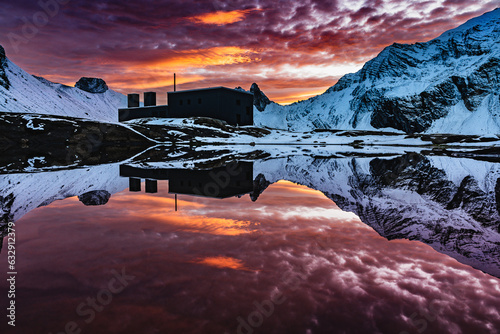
{"points": [[225, 55], [161, 210], [209, 225], [296, 189], [289, 96], [221, 18], [159, 73]]}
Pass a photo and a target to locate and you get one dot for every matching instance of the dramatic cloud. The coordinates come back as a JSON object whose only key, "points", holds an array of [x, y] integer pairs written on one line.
{"points": [[293, 49]]}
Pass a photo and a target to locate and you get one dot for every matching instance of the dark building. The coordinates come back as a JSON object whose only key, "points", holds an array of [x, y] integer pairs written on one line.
{"points": [[231, 180], [230, 105]]}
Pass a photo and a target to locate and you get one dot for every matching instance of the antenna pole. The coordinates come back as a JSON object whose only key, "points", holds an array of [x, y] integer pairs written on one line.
{"points": [[175, 83]]}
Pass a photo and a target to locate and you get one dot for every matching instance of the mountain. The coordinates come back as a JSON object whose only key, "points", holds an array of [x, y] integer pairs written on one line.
{"points": [[450, 84], [24, 93]]}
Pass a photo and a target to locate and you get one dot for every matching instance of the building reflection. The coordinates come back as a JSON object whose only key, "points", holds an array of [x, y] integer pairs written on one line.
{"points": [[229, 180], [233, 179]]}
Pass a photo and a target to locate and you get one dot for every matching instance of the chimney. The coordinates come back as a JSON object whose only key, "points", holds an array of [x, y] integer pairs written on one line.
{"points": [[133, 100]]}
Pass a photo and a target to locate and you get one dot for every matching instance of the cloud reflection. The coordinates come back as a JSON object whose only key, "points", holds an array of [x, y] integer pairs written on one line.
{"points": [[336, 275]]}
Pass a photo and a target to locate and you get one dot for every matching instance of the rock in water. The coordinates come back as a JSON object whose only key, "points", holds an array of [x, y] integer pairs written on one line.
{"points": [[92, 85], [260, 100], [259, 185], [97, 197]]}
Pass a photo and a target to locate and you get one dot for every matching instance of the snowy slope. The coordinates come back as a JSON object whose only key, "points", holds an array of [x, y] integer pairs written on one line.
{"points": [[22, 92], [448, 85]]}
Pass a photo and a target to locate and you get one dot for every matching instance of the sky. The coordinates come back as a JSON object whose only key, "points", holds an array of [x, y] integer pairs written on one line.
{"points": [[292, 49]]}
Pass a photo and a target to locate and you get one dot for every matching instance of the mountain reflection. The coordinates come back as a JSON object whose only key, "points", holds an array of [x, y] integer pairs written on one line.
{"points": [[449, 203]]}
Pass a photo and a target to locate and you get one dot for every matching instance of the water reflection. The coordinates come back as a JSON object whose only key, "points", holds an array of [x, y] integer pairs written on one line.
{"points": [[451, 204], [284, 259], [233, 179]]}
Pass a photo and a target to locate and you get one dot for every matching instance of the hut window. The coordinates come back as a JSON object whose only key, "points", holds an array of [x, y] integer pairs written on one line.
{"points": [[238, 102], [189, 101], [199, 100], [180, 102]]}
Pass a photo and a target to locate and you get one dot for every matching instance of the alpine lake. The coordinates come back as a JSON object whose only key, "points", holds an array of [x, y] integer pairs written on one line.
{"points": [[288, 239]]}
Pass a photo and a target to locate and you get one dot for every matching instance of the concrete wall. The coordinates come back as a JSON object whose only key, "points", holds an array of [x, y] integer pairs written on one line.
{"points": [[222, 182], [239, 107]]}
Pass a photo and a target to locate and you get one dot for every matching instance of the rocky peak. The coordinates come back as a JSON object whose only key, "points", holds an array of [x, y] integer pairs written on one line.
{"points": [[92, 85], [4, 81], [260, 100], [97, 197], [2, 54]]}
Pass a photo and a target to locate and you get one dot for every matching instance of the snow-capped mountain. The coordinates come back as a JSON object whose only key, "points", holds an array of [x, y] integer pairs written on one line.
{"points": [[450, 84], [22, 92]]}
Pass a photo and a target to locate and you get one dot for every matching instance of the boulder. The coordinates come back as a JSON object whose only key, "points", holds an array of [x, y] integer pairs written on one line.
{"points": [[92, 85]]}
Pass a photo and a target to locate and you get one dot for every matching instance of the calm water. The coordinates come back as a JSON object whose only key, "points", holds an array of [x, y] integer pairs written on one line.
{"points": [[288, 261]]}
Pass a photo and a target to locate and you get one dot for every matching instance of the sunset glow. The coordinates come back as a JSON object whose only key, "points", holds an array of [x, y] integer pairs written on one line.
{"points": [[203, 58], [293, 50], [161, 211]]}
